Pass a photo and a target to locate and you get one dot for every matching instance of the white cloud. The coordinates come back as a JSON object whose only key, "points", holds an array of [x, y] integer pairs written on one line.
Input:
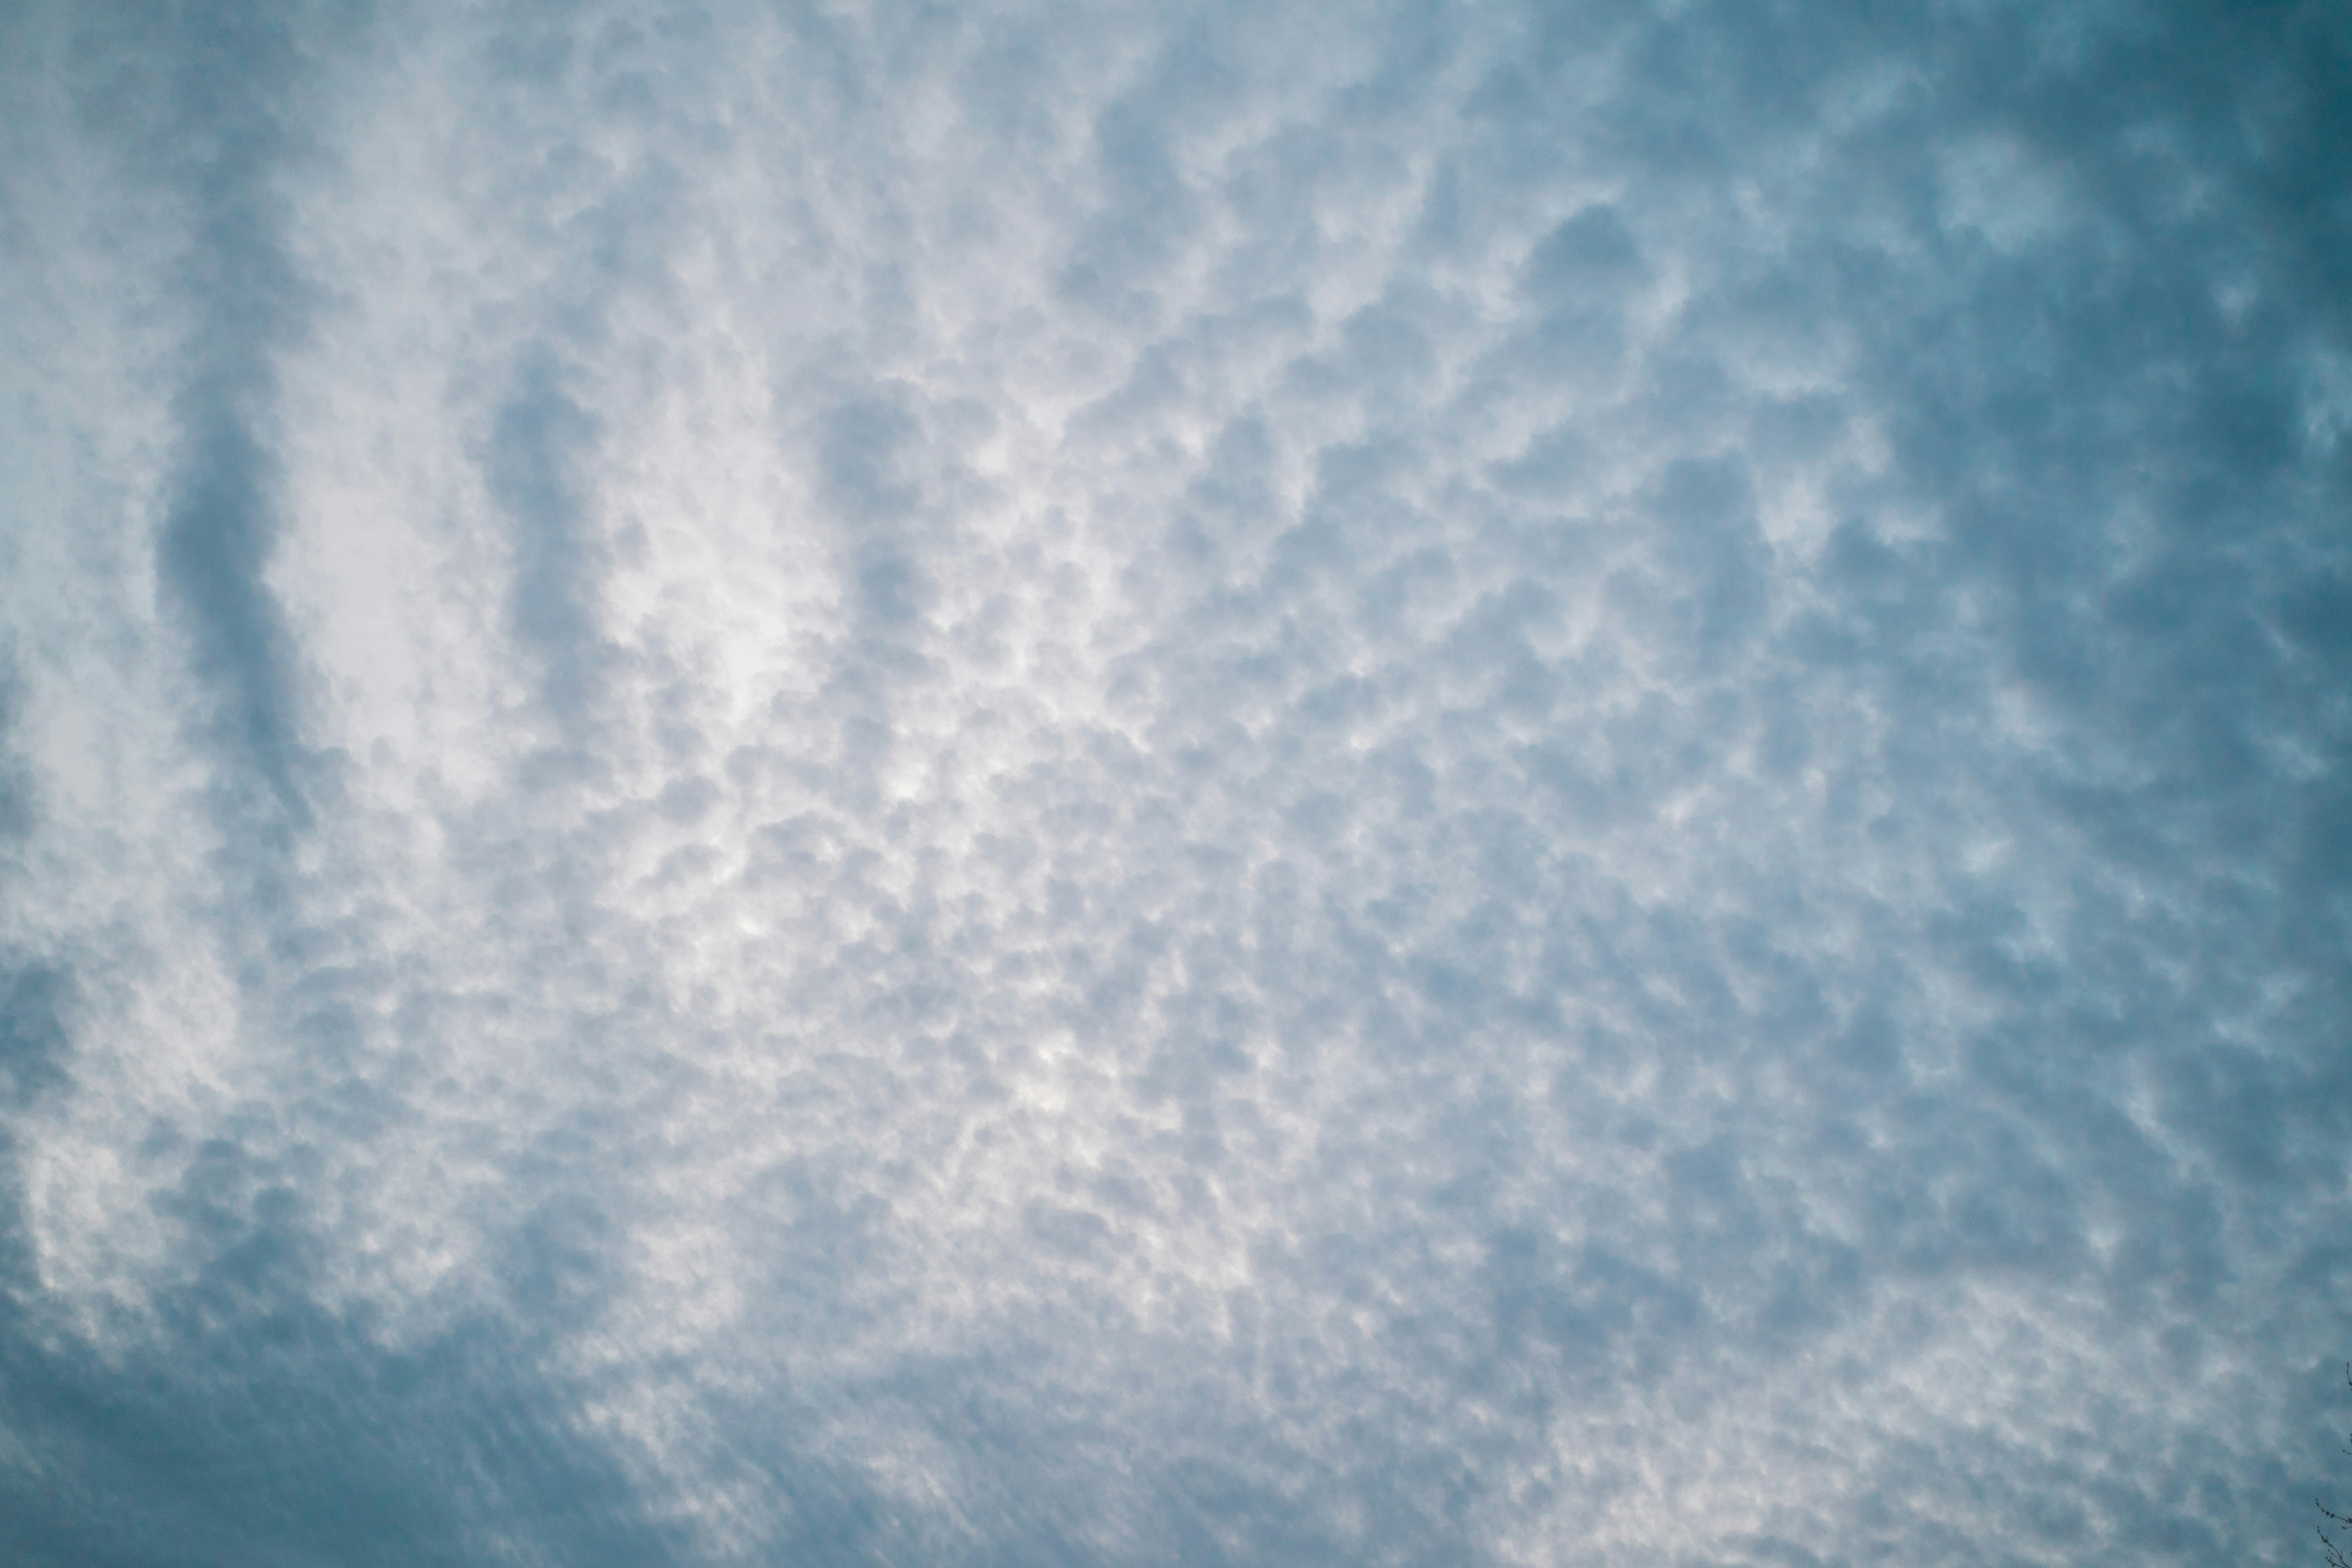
{"points": [[885, 786]]}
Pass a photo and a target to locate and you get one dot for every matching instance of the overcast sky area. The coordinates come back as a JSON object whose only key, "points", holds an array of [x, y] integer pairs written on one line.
{"points": [[1299, 784]]}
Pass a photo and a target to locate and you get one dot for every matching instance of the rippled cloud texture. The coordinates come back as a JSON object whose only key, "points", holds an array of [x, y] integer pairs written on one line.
{"points": [[1399, 784]]}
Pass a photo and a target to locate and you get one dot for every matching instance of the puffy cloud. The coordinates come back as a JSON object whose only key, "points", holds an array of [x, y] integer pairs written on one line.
{"points": [[1551, 785]]}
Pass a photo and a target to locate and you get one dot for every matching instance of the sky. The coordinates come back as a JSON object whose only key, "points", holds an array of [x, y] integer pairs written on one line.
{"points": [[1039, 785]]}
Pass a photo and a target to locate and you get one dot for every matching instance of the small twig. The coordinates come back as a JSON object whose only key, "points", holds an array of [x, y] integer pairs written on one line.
{"points": [[2335, 1547]]}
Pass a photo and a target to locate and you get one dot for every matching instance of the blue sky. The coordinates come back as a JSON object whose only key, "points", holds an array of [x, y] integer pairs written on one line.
{"points": [[1500, 784]]}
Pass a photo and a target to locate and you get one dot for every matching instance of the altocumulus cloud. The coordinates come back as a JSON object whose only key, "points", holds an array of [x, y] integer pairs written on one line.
{"points": [[1397, 784]]}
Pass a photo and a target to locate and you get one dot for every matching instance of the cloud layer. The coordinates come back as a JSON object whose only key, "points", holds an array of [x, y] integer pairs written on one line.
{"points": [[1409, 784]]}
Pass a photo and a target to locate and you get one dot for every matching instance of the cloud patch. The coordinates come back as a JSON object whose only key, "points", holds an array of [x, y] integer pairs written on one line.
{"points": [[1165, 787]]}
